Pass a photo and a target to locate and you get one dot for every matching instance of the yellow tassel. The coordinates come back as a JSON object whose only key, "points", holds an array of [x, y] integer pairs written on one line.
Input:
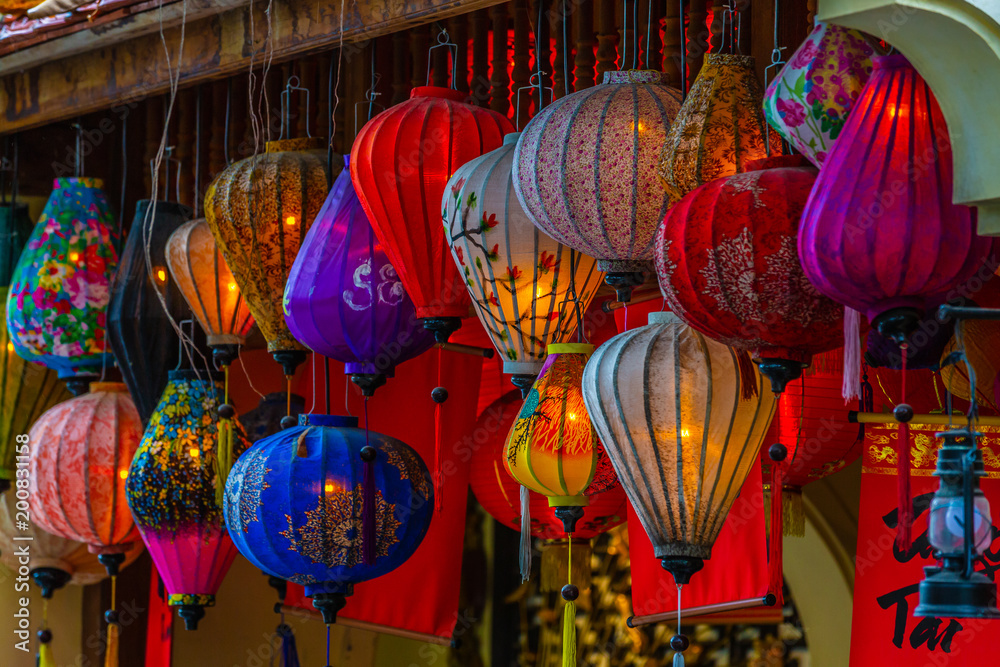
{"points": [[111, 652], [223, 459], [45, 656], [569, 635]]}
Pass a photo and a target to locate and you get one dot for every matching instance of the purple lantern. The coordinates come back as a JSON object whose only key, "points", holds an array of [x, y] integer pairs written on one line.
{"points": [[343, 298]]}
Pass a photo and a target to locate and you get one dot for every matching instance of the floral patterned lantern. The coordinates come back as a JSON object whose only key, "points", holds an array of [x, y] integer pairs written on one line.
{"points": [[400, 163], [343, 298], [728, 266], [529, 290], [295, 506], [259, 210], [59, 291], [585, 171], [810, 99], [175, 490], [719, 128]]}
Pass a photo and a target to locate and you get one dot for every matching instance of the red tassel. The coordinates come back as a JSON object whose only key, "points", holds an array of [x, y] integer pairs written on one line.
{"points": [[748, 377], [904, 527], [775, 557]]}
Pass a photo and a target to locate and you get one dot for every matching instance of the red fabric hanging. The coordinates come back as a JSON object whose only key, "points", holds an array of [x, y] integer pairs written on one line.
{"points": [[159, 627]]}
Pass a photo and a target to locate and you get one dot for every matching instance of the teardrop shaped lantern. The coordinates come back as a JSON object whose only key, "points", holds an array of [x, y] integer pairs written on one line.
{"points": [[809, 100], [400, 163], [57, 302], [81, 450], [728, 266], [295, 504], [880, 233], [585, 171], [141, 334], [719, 128], [259, 210], [668, 405], [529, 290], [344, 299]]}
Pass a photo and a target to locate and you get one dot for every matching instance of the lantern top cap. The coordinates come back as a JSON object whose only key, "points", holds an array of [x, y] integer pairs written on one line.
{"points": [[779, 162], [731, 60], [437, 91], [110, 387], [634, 76], [70, 181], [511, 138], [895, 61], [664, 317], [570, 348], [299, 144], [336, 421]]}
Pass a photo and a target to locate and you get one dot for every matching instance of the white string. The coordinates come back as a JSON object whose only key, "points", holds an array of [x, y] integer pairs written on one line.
{"points": [[247, 376], [312, 406]]}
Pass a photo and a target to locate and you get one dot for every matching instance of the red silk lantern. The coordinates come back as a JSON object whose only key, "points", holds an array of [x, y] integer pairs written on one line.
{"points": [[400, 164], [728, 266]]}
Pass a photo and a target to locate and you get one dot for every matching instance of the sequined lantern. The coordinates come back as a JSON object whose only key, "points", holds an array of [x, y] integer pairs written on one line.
{"points": [[585, 171], [295, 506], [59, 291], [81, 450], [400, 163], [813, 94], [529, 290], [259, 210], [343, 298], [728, 266], [668, 405], [175, 490], [141, 334], [719, 128], [200, 272], [882, 254]]}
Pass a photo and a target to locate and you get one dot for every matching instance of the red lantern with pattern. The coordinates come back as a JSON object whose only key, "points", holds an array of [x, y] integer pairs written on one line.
{"points": [[728, 266], [401, 161]]}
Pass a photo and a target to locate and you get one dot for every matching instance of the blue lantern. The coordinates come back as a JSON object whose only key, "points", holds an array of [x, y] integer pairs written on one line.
{"points": [[322, 505]]}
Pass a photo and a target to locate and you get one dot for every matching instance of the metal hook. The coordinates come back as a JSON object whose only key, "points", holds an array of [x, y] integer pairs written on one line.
{"points": [[370, 96], [444, 40], [534, 81], [169, 151], [728, 11], [78, 167], [286, 99]]}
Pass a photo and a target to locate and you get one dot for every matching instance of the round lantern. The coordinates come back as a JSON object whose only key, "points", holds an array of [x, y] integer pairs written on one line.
{"points": [[81, 450], [585, 171], [728, 266], [667, 403], [529, 290], [810, 99], [719, 128], [297, 502], [344, 299], [400, 163], [141, 334], [259, 210], [59, 290], [175, 490], [200, 273], [880, 233]]}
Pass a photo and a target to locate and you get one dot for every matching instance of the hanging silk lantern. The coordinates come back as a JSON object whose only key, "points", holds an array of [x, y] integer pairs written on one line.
{"points": [[719, 128], [810, 99], [585, 171], [529, 290], [59, 291], [175, 490], [259, 210], [140, 330], [296, 506], [15, 229], [400, 163], [880, 233], [344, 299], [979, 343], [728, 266]]}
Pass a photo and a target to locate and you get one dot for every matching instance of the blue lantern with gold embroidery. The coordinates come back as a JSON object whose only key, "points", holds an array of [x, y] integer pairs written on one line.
{"points": [[321, 505]]}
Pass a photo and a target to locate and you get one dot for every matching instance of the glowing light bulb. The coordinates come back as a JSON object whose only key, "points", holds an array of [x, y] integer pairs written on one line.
{"points": [[328, 487], [10, 346], [572, 416], [123, 474], [685, 433], [232, 287], [193, 452], [290, 220], [161, 275], [74, 257]]}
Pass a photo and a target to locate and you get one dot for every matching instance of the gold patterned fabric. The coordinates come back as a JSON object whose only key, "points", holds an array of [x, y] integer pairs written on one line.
{"points": [[719, 128]]}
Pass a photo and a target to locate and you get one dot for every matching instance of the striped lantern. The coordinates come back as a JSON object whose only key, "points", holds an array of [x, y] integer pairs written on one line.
{"points": [[667, 402], [529, 290], [585, 171]]}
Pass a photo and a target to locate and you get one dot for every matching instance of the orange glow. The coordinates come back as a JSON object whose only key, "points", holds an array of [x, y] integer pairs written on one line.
{"points": [[123, 473], [161, 275], [290, 220], [10, 346], [329, 487], [685, 433], [232, 287], [74, 257], [194, 452]]}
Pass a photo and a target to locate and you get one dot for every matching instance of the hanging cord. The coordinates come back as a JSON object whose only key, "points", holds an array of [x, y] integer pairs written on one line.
{"points": [[524, 557], [224, 446], [286, 106], [569, 593], [534, 81], [336, 84], [679, 642], [565, 44], [776, 62], [326, 381], [370, 94], [905, 510], [312, 406], [735, 20], [684, 75], [347, 395], [444, 41], [45, 658], [249, 380], [111, 650], [649, 31], [368, 455], [328, 645]]}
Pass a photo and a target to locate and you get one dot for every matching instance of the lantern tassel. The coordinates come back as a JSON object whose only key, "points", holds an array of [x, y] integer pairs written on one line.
{"points": [[555, 562], [45, 656], [748, 376], [224, 447], [111, 652], [525, 559], [678, 660], [289, 651], [852, 354], [904, 526], [569, 614], [777, 528]]}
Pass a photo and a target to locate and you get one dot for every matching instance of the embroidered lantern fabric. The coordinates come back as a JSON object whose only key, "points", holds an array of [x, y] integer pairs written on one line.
{"points": [[666, 402], [59, 291], [810, 99], [259, 210], [886, 256], [211, 292], [529, 290], [585, 168], [344, 299], [400, 163], [175, 489], [141, 335], [295, 500], [728, 266], [719, 128], [81, 450]]}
